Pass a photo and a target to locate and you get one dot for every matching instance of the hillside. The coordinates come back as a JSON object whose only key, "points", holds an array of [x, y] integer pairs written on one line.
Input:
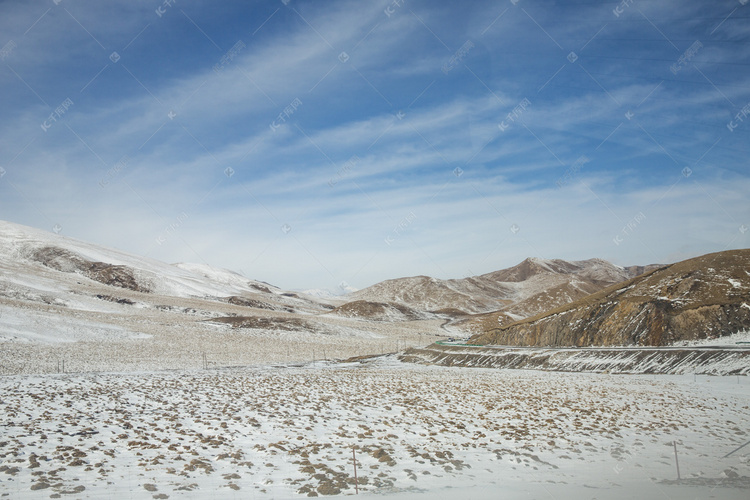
{"points": [[29, 251], [93, 307], [377, 311], [704, 297], [531, 287]]}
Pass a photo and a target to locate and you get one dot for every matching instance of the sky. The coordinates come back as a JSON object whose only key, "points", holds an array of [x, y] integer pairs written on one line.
{"points": [[336, 144]]}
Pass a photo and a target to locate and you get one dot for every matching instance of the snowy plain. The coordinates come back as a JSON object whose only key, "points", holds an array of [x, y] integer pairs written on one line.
{"points": [[418, 432]]}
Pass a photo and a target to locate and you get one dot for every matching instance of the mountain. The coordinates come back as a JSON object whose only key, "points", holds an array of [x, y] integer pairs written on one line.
{"points": [[510, 294], [24, 249], [56, 291], [704, 297]]}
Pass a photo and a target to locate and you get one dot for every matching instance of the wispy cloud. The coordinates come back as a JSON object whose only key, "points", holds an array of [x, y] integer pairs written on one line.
{"points": [[309, 144]]}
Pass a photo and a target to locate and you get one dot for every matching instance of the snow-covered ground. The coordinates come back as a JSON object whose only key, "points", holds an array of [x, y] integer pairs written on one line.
{"points": [[727, 340], [418, 432], [188, 345]]}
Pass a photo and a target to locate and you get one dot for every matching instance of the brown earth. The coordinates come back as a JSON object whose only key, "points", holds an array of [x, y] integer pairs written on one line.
{"points": [[266, 323], [256, 304], [70, 262], [377, 311], [704, 297]]}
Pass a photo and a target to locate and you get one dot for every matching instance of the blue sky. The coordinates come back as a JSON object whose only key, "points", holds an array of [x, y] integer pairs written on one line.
{"points": [[310, 144]]}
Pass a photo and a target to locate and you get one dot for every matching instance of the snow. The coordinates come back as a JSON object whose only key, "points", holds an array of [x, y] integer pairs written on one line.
{"points": [[225, 277], [727, 340], [320, 293], [51, 328], [543, 263], [183, 280], [514, 317], [418, 432], [48, 315]]}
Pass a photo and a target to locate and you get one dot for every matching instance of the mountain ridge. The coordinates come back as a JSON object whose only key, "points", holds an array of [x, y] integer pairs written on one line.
{"points": [[704, 297], [519, 291], [54, 288]]}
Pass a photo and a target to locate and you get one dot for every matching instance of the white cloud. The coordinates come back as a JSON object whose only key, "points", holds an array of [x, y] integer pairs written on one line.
{"points": [[398, 209]]}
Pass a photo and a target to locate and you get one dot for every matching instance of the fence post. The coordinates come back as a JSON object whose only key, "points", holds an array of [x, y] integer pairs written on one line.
{"points": [[677, 462], [356, 483]]}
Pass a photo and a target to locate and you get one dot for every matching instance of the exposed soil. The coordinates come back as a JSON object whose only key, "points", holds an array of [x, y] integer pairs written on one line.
{"points": [[266, 323], [377, 311], [70, 262]]}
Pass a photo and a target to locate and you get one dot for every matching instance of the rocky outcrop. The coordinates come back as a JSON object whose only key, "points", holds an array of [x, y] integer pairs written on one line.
{"points": [[682, 361], [69, 262], [705, 297], [287, 324]]}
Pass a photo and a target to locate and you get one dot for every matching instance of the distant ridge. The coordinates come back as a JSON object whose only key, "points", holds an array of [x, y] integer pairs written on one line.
{"points": [[528, 288]]}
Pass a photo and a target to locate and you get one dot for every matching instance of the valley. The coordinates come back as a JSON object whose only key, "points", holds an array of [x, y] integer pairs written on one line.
{"points": [[121, 375]]}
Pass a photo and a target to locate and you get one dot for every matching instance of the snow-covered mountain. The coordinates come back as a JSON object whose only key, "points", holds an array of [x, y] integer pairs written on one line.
{"points": [[24, 249], [55, 288]]}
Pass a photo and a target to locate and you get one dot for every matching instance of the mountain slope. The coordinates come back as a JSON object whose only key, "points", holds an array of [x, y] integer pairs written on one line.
{"points": [[25, 246], [528, 288], [55, 288], [704, 297], [96, 308], [377, 311]]}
